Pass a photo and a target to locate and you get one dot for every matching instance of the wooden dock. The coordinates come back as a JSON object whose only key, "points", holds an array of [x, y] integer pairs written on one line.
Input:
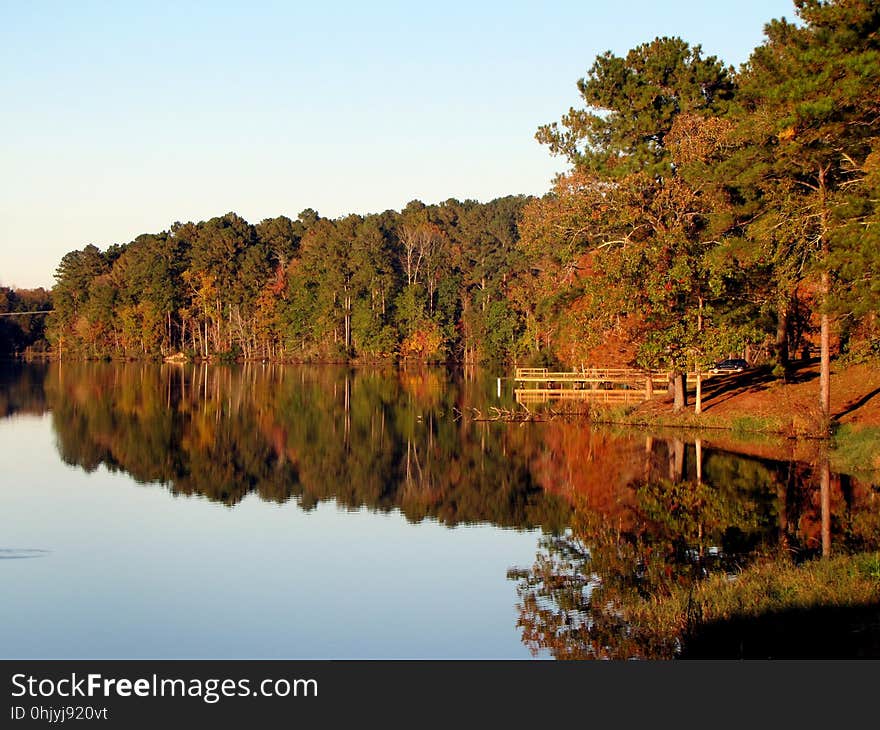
{"points": [[603, 385], [533, 396]]}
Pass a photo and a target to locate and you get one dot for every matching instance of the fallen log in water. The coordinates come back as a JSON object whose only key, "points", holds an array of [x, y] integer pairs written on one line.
{"points": [[525, 415]]}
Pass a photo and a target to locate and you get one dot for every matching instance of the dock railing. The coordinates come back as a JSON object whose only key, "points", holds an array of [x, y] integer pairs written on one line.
{"points": [[533, 385]]}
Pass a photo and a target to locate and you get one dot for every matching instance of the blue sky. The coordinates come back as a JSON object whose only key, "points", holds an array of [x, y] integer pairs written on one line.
{"points": [[120, 118]]}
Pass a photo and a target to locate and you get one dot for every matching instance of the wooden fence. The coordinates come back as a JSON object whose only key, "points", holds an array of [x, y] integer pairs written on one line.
{"points": [[609, 385]]}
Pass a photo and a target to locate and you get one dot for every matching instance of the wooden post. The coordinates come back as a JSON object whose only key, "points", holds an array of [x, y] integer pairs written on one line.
{"points": [[649, 387], [499, 387], [698, 400]]}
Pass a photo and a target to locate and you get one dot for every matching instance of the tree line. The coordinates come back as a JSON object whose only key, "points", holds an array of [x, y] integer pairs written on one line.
{"points": [[431, 282], [22, 328], [706, 211]]}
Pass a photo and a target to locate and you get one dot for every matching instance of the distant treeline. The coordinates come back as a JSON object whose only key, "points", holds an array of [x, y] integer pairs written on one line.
{"points": [[20, 334], [432, 282], [706, 211]]}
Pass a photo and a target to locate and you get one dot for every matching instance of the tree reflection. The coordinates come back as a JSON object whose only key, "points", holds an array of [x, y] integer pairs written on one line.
{"points": [[21, 388], [634, 576], [639, 530], [362, 438]]}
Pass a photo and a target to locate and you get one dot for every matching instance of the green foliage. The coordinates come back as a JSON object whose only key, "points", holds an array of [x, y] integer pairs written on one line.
{"points": [[305, 289], [709, 211], [798, 167], [502, 327], [371, 335], [633, 102], [26, 332]]}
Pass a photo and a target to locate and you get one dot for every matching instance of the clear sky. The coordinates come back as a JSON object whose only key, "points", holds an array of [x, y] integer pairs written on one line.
{"points": [[120, 118]]}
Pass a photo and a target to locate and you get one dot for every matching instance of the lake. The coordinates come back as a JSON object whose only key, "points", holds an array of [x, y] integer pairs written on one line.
{"points": [[267, 511]]}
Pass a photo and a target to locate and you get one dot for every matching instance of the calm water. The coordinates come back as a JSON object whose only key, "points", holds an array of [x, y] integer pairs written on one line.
{"points": [[307, 512]]}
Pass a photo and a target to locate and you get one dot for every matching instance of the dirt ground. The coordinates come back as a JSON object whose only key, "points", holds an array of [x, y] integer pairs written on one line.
{"points": [[855, 396]]}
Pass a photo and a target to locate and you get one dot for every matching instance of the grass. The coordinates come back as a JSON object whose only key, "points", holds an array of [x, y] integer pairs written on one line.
{"points": [[743, 426], [856, 450], [825, 589], [610, 413], [740, 426]]}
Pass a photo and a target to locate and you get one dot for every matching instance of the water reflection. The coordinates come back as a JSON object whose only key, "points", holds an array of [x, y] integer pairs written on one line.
{"points": [[21, 553], [360, 438], [653, 545], [707, 553], [22, 388]]}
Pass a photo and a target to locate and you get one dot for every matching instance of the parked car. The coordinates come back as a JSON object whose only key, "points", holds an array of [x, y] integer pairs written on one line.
{"points": [[734, 365]]}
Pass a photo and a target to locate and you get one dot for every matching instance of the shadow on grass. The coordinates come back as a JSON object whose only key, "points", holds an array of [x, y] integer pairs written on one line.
{"points": [[826, 632], [856, 404], [722, 388]]}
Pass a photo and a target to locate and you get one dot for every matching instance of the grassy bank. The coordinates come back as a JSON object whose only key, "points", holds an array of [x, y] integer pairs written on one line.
{"points": [[856, 450], [742, 425], [766, 610], [756, 402]]}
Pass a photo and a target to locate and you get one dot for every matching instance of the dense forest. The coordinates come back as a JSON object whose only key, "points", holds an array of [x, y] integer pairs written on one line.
{"points": [[705, 211], [25, 332], [429, 282], [708, 210]]}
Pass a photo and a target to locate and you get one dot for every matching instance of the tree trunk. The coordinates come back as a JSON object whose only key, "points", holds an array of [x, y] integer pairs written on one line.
{"points": [[679, 391], [347, 322], [825, 356], [824, 324], [782, 359]]}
